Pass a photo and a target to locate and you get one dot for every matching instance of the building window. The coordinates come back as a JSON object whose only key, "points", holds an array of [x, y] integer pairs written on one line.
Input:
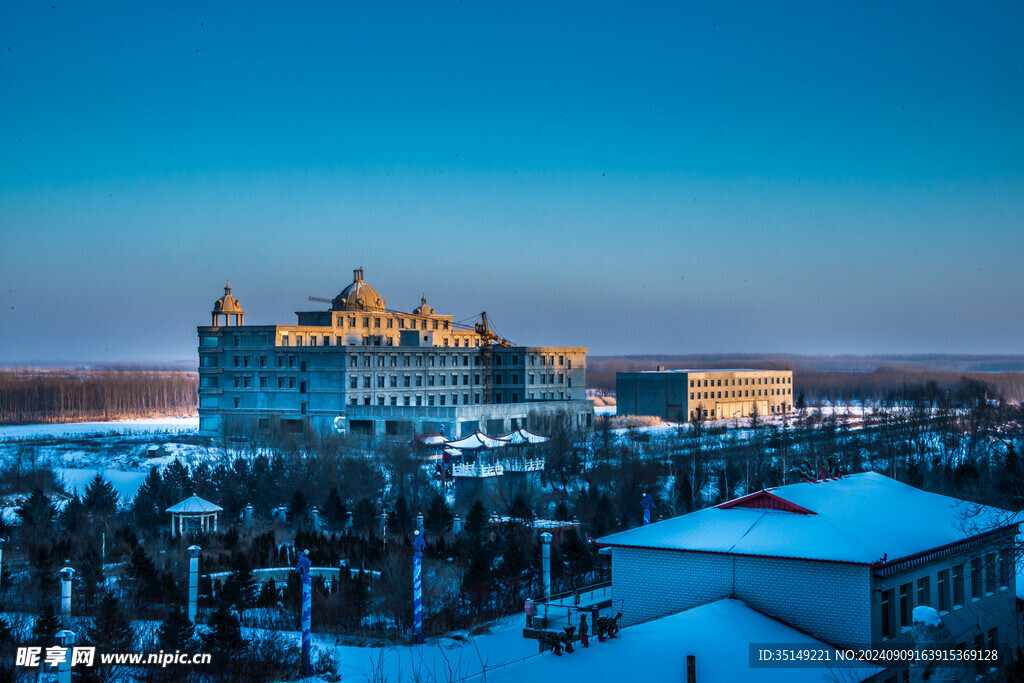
{"points": [[990, 573], [1005, 562], [924, 596], [943, 590], [906, 606], [312, 340], [263, 382], [958, 586], [976, 578], [353, 382], [887, 613]]}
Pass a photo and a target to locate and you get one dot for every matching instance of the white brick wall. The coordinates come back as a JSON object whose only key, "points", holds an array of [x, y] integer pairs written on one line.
{"points": [[828, 599]]}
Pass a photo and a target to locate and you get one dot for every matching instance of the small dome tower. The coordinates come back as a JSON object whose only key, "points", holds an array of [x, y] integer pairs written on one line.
{"points": [[227, 306]]}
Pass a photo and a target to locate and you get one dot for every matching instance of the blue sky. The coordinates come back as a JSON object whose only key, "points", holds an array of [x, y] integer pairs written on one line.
{"points": [[806, 178]]}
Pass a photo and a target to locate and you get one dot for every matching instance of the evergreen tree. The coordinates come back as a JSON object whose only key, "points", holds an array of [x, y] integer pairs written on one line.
{"points": [[44, 571], [400, 517], [268, 594], [111, 631], [176, 632], [239, 587], [334, 510], [519, 509], [439, 515], [225, 632], [100, 497], [89, 577], [298, 508], [150, 502], [44, 630], [476, 519], [142, 577], [36, 514], [73, 518]]}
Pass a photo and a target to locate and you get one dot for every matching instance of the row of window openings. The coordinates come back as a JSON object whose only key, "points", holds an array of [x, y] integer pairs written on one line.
{"points": [[432, 399], [366, 340], [442, 399], [950, 590], [743, 381], [743, 393], [245, 340]]}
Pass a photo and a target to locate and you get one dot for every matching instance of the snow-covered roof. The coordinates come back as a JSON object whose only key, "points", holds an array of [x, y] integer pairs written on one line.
{"points": [[477, 441], [864, 518], [453, 452], [717, 634], [432, 440], [522, 436], [194, 505]]}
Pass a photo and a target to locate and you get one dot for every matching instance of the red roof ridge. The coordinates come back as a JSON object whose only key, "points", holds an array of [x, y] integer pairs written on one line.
{"points": [[765, 499]]}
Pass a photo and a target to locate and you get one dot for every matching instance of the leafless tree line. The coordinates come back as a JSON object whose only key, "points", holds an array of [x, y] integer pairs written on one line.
{"points": [[30, 396]]}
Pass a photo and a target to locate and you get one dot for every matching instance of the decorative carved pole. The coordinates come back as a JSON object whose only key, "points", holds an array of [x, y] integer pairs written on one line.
{"points": [[418, 545], [2, 543], [193, 581], [647, 503], [307, 604], [66, 576]]}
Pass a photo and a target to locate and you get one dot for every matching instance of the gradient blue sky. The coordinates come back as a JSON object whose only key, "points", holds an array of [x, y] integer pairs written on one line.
{"points": [[805, 177]]}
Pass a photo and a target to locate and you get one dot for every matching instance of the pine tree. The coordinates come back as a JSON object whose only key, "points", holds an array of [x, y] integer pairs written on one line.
{"points": [[239, 587], [334, 510], [177, 632], [150, 501], [36, 514], [44, 630], [89, 577], [73, 517], [225, 632], [297, 508], [439, 515], [476, 519], [111, 631], [142, 575], [100, 497]]}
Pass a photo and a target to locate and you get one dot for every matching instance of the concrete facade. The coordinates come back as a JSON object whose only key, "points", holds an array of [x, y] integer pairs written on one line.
{"points": [[681, 395], [649, 583], [363, 368]]}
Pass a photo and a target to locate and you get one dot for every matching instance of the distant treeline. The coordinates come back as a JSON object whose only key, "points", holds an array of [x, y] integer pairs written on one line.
{"points": [[849, 378], [32, 395]]}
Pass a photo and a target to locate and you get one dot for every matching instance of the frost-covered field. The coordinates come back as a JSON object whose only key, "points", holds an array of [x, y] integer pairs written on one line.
{"points": [[120, 450]]}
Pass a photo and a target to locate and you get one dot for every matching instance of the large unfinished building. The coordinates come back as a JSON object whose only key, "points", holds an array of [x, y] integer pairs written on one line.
{"points": [[363, 368], [682, 395]]}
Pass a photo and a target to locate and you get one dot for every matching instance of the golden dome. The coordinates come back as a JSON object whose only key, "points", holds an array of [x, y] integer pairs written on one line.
{"points": [[227, 303], [358, 296]]}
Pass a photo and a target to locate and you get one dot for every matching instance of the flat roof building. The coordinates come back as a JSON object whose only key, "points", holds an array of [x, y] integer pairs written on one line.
{"points": [[681, 395], [360, 367]]}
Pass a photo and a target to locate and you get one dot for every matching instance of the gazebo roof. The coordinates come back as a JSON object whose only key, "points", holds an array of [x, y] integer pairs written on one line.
{"points": [[194, 505], [522, 436], [477, 441]]}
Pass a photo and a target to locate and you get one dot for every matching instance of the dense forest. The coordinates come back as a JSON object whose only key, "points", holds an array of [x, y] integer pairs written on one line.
{"points": [[38, 395]]}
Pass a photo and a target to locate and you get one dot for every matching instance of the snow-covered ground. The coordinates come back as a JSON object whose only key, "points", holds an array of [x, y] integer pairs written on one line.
{"points": [[160, 424], [119, 450]]}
